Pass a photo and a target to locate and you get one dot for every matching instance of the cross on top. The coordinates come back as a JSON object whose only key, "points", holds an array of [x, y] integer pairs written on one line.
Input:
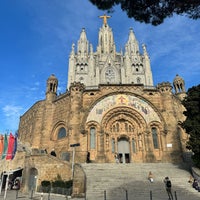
{"points": [[104, 17]]}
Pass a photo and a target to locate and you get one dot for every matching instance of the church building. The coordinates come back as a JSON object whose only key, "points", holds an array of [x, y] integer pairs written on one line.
{"points": [[111, 107]]}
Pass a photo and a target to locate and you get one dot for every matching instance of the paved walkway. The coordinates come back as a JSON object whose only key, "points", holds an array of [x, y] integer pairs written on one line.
{"points": [[12, 195]]}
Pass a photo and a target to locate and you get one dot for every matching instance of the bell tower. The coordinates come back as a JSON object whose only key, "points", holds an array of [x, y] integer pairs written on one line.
{"points": [[51, 89], [179, 86]]}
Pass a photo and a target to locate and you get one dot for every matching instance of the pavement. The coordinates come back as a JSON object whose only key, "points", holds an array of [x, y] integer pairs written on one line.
{"points": [[13, 195]]}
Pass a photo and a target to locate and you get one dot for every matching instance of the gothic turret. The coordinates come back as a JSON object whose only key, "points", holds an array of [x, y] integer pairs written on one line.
{"points": [[83, 45], [106, 42], [179, 86], [137, 66], [165, 88], [51, 89], [132, 48]]}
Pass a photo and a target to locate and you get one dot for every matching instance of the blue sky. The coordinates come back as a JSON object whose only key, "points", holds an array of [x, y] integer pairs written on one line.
{"points": [[36, 38]]}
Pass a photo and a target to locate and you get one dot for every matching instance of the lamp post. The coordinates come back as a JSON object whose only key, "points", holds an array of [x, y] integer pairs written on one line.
{"points": [[73, 156]]}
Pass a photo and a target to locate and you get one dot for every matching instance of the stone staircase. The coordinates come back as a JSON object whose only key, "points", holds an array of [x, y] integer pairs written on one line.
{"points": [[113, 181]]}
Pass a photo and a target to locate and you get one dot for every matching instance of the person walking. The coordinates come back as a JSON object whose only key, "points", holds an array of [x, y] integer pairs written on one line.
{"points": [[116, 157], [168, 186], [150, 177]]}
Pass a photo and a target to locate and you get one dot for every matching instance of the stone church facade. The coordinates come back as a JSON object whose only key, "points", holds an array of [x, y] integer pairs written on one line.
{"points": [[110, 106]]}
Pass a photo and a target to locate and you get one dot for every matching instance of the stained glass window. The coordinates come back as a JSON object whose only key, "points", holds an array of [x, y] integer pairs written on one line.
{"points": [[155, 138], [62, 133], [92, 138]]}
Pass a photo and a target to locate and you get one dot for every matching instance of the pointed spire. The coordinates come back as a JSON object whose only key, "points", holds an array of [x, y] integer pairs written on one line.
{"points": [[91, 49], [131, 35], [83, 34], [73, 49], [83, 43], [106, 41], [132, 44], [144, 50]]}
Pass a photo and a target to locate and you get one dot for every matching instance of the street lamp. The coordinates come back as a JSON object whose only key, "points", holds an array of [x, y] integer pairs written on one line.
{"points": [[73, 156]]}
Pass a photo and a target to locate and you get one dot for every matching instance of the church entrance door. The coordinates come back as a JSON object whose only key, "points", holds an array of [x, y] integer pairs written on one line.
{"points": [[123, 150]]}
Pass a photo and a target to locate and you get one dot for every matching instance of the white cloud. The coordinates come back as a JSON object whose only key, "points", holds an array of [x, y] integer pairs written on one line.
{"points": [[12, 114], [11, 110]]}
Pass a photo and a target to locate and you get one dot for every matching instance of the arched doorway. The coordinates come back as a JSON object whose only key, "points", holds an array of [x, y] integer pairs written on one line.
{"points": [[123, 150], [32, 179], [122, 126]]}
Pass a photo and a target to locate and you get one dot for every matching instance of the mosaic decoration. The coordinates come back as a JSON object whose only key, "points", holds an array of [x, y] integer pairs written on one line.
{"points": [[114, 101]]}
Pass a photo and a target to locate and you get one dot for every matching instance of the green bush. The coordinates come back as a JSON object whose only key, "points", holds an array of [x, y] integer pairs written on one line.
{"points": [[45, 183], [68, 184], [62, 184]]}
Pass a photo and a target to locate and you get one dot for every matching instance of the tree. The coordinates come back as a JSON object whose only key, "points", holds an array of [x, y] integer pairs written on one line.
{"points": [[152, 11], [192, 122]]}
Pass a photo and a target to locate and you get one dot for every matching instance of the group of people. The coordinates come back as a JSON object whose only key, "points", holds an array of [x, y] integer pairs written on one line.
{"points": [[194, 183], [167, 182], [14, 185], [116, 157]]}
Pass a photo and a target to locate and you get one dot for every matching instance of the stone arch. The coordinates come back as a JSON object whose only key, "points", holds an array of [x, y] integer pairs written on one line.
{"points": [[123, 136], [55, 131], [130, 97], [97, 101], [92, 123], [88, 126], [121, 113]]}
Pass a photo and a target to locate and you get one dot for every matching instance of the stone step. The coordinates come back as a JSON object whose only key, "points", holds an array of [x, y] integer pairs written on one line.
{"points": [[116, 179]]}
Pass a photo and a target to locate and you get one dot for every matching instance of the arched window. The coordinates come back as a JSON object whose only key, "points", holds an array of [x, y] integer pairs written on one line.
{"points": [[61, 133], [133, 146], [155, 138], [113, 145], [92, 138]]}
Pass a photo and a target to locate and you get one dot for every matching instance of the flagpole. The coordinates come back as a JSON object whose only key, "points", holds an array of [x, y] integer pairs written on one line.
{"points": [[7, 180], [3, 155], [9, 151], [2, 177]]}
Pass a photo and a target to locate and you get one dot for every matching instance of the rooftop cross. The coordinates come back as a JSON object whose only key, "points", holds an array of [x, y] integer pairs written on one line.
{"points": [[104, 17]]}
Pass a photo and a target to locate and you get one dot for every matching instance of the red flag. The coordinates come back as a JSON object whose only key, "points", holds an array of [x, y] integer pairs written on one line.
{"points": [[1, 145], [11, 143]]}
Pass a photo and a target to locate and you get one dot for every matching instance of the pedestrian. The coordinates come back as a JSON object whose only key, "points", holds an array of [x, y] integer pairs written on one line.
{"points": [[53, 153], [168, 186], [195, 185], [88, 157], [190, 179], [116, 157], [150, 177]]}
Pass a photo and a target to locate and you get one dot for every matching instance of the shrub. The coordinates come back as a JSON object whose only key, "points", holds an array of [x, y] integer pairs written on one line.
{"points": [[45, 183], [62, 184]]}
